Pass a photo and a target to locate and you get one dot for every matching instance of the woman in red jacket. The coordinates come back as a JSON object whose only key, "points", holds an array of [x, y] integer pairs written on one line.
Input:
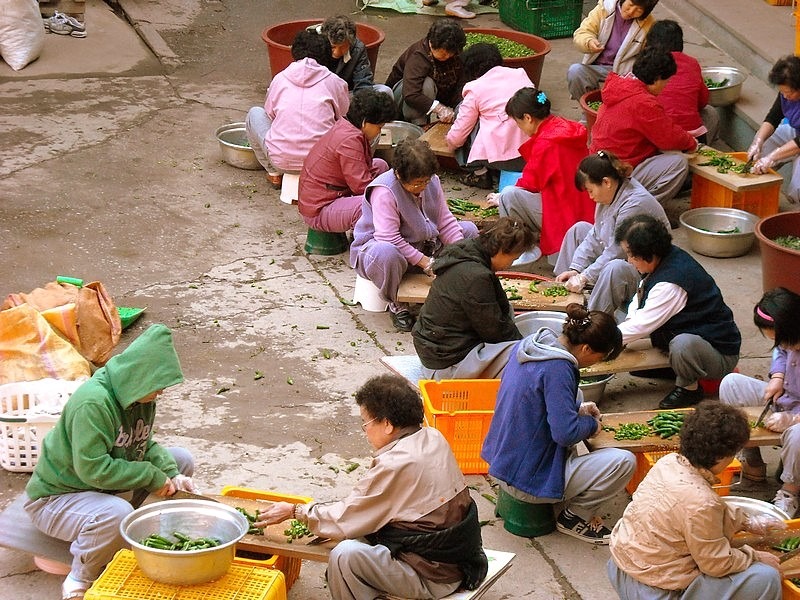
{"points": [[545, 197]]}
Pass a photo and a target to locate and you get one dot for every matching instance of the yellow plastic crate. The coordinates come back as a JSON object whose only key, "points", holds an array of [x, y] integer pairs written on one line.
{"points": [[290, 567], [123, 580], [646, 460], [462, 410]]}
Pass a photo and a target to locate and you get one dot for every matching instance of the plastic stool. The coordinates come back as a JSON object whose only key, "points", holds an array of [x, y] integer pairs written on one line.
{"points": [[369, 296], [507, 178], [325, 242], [289, 187], [524, 518]]}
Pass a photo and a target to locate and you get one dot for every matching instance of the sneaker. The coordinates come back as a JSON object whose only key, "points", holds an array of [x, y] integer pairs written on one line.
{"points": [[593, 532], [680, 397], [73, 22], [402, 320], [528, 257], [73, 589], [483, 181], [786, 501], [58, 24]]}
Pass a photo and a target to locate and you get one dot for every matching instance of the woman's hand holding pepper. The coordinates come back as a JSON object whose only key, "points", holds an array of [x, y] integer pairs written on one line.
{"points": [[279, 511]]}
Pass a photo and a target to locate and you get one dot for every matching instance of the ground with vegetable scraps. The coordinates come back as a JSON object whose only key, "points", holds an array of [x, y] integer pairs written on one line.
{"points": [[109, 171]]}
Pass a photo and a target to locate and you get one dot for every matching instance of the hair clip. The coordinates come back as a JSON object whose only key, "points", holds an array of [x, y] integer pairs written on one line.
{"points": [[601, 154], [764, 315], [541, 97]]}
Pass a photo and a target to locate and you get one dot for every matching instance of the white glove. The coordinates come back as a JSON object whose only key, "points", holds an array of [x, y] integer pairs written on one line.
{"points": [[590, 409], [183, 483], [576, 283], [754, 151], [763, 164], [493, 199], [445, 113], [780, 421], [762, 524]]}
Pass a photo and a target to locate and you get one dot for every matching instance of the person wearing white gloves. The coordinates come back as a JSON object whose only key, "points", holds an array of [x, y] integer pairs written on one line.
{"points": [[775, 315], [102, 447], [777, 142], [674, 540]]}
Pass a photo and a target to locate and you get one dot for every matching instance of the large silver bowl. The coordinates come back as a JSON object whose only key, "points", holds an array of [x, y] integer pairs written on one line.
{"points": [[235, 148], [195, 518], [704, 227], [729, 93], [755, 507], [531, 321], [595, 387], [391, 133]]}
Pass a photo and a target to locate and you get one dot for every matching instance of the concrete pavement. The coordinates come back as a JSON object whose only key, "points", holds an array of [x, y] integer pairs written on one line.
{"points": [[109, 170]]}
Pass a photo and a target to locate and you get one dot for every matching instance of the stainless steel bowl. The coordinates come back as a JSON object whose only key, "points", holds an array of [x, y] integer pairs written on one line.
{"points": [[531, 321], [754, 507], [391, 133], [195, 518], [593, 391], [704, 227], [729, 93], [235, 148]]}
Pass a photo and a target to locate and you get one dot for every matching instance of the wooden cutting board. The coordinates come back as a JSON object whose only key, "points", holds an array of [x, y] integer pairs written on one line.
{"points": [[733, 181], [635, 357], [414, 288], [436, 137], [652, 443]]}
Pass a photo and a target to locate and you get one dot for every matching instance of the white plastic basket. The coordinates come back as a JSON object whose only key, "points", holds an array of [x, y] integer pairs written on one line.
{"points": [[28, 410]]}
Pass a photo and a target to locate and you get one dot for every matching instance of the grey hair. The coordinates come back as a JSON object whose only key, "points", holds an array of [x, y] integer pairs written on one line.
{"points": [[338, 29]]}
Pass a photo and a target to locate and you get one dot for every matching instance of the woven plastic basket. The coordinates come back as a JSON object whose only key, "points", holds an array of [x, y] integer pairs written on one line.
{"points": [[28, 410]]}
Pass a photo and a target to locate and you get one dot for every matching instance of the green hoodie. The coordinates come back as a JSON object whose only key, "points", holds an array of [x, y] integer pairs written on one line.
{"points": [[103, 440]]}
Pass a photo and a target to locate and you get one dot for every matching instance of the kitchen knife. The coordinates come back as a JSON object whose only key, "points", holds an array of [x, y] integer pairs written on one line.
{"points": [[763, 414], [791, 554], [182, 495]]}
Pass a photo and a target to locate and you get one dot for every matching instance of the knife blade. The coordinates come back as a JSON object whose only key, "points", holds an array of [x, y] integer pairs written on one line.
{"points": [[183, 495], [763, 414], [791, 554]]}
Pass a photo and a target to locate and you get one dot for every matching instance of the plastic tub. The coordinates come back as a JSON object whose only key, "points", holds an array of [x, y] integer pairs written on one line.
{"points": [[532, 64]]}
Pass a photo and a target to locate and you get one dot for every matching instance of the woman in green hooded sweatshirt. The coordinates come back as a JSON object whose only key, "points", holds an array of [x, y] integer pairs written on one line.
{"points": [[102, 446]]}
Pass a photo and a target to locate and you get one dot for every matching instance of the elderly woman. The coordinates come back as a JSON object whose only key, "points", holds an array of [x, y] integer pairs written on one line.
{"points": [[466, 328], [589, 257], [545, 198], [673, 541], [428, 76], [483, 136], [409, 524], [538, 420], [777, 142], [610, 36], [340, 165], [404, 223]]}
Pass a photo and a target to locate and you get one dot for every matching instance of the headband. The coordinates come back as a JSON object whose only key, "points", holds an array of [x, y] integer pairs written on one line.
{"points": [[764, 315]]}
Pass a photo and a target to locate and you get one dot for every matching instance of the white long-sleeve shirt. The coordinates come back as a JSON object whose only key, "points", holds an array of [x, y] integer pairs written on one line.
{"points": [[664, 301]]}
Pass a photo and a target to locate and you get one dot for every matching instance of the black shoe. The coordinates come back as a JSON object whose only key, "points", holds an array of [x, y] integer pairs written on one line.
{"points": [[402, 320], [681, 398], [594, 533], [483, 182], [665, 373]]}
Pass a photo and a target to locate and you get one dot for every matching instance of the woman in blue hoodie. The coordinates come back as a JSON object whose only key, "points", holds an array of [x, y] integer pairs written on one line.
{"points": [[539, 423]]}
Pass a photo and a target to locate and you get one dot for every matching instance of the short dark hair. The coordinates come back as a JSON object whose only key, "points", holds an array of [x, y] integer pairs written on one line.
{"points": [[528, 101], [368, 105], [447, 34], [645, 236], [599, 165], [508, 236], [390, 397], [414, 159], [479, 59], [786, 72], [310, 44], [595, 328], [779, 310], [665, 34], [339, 29], [647, 5], [653, 64], [713, 431]]}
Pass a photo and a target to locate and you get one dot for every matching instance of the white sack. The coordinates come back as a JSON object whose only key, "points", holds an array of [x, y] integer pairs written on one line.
{"points": [[21, 32]]}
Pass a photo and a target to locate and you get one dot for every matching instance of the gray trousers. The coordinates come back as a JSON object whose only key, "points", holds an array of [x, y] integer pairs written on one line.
{"points": [[522, 205], [693, 358], [410, 114], [384, 265], [663, 174], [256, 126], [585, 78], [783, 133], [617, 282], [589, 481], [741, 390], [359, 571], [757, 582], [90, 520]]}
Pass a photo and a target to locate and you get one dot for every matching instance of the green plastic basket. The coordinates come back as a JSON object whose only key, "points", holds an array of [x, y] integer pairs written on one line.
{"points": [[546, 18], [128, 315]]}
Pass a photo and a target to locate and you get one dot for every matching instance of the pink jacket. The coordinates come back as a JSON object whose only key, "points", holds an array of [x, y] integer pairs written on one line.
{"points": [[303, 101], [485, 100]]}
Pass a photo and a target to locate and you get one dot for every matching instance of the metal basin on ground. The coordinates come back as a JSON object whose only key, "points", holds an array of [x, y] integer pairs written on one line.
{"points": [[393, 132], [728, 93], [235, 148], [719, 232]]}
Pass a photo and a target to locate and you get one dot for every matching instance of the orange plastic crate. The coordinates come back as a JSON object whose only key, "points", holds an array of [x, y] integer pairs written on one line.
{"points": [[289, 566], [462, 410], [646, 460], [123, 580]]}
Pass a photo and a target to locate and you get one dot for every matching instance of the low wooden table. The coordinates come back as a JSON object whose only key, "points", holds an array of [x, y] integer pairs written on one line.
{"points": [[435, 136], [637, 356], [605, 439]]}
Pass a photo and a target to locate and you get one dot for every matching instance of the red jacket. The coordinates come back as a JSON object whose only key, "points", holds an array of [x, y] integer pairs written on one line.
{"points": [[633, 125], [686, 93], [552, 156]]}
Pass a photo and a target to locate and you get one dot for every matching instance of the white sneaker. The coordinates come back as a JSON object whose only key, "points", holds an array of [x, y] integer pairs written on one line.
{"points": [[528, 257], [787, 502], [73, 589]]}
